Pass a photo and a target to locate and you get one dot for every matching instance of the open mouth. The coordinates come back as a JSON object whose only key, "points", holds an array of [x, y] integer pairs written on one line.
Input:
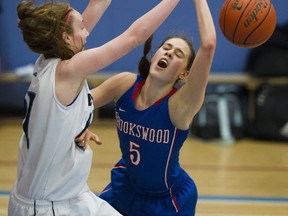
{"points": [[162, 63]]}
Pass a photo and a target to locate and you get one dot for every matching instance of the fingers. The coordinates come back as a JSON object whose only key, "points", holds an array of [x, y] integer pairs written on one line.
{"points": [[80, 145], [86, 144], [83, 140], [80, 138], [96, 139], [80, 142], [92, 137]]}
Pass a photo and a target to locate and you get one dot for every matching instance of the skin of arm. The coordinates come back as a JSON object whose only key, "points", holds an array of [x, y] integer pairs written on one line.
{"points": [[68, 84], [76, 69], [187, 101], [93, 60], [112, 89], [93, 12]]}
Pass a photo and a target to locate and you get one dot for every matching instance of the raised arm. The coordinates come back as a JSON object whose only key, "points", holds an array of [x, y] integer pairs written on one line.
{"points": [[93, 12], [189, 98], [93, 60]]}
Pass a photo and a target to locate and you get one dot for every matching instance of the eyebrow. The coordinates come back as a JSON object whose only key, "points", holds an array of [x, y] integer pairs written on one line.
{"points": [[180, 50]]}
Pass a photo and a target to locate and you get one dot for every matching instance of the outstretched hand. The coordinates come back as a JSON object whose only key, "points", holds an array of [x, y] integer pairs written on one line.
{"points": [[82, 141]]}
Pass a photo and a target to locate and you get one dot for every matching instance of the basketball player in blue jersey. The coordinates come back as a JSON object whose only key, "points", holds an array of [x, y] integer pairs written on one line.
{"points": [[153, 120], [52, 170]]}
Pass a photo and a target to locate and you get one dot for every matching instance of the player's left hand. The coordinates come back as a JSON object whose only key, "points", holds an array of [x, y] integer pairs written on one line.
{"points": [[82, 141]]}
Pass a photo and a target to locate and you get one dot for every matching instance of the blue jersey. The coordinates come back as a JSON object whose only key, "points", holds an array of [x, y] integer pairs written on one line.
{"points": [[149, 180], [149, 142]]}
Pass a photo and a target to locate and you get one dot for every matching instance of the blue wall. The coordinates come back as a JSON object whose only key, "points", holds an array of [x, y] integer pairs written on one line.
{"points": [[118, 17]]}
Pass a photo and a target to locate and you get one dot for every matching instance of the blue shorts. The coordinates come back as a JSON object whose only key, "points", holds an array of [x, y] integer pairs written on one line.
{"points": [[181, 199]]}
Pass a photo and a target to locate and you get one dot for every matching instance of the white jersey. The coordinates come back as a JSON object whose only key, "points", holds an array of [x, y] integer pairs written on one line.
{"points": [[51, 166]]}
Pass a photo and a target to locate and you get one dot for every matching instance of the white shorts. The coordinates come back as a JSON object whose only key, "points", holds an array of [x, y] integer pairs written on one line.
{"points": [[87, 204]]}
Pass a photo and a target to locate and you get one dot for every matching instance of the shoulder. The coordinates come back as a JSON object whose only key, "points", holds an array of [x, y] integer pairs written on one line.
{"points": [[113, 88], [125, 76], [123, 81]]}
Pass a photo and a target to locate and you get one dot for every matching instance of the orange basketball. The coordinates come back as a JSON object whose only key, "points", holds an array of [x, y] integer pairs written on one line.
{"points": [[247, 23]]}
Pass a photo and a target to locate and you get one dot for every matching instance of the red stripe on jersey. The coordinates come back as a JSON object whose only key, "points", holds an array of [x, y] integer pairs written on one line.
{"points": [[174, 201], [139, 86]]}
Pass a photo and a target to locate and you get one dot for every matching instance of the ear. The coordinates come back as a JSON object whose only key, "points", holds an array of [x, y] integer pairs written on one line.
{"points": [[66, 37], [183, 75]]}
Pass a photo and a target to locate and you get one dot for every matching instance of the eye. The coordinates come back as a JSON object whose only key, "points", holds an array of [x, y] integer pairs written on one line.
{"points": [[166, 46], [179, 53]]}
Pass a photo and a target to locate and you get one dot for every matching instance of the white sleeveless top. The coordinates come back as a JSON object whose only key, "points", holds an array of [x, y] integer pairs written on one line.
{"points": [[50, 165]]}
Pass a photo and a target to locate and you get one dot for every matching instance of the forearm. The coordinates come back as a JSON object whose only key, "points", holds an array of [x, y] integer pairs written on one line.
{"points": [[97, 58], [205, 24], [203, 61], [193, 92], [93, 12], [144, 26]]}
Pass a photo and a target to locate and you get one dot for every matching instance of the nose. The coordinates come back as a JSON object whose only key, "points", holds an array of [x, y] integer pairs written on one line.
{"points": [[169, 54]]}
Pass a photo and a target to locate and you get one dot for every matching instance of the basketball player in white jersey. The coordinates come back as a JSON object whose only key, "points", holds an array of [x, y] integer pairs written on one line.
{"points": [[52, 170]]}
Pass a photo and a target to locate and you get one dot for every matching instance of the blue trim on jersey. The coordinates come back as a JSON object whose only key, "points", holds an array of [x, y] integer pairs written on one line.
{"points": [[29, 99]]}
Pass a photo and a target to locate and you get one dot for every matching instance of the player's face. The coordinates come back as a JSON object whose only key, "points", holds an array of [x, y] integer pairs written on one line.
{"points": [[171, 58], [80, 33]]}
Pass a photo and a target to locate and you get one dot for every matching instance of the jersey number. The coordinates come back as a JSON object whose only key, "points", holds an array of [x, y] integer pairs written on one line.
{"points": [[134, 153], [28, 105]]}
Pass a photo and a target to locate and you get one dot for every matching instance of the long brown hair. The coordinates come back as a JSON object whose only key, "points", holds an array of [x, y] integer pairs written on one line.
{"points": [[42, 27]]}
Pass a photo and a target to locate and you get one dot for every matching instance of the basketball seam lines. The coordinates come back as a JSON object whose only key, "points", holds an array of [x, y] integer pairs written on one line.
{"points": [[224, 27], [235, 30], [257, 25]]}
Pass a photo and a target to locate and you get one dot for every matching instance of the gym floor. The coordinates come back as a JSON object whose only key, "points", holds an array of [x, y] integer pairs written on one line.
{"points": [[247, 178]]}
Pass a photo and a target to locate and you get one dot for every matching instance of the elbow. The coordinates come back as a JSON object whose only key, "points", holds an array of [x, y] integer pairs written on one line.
{"points": [[210, 44]]}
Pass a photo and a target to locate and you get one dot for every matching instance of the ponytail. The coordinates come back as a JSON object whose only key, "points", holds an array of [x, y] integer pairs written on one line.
{"points": [[144, 64]]}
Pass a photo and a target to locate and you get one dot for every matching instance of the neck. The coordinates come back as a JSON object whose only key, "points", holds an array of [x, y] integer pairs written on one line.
{"points": [[150, 94]]}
